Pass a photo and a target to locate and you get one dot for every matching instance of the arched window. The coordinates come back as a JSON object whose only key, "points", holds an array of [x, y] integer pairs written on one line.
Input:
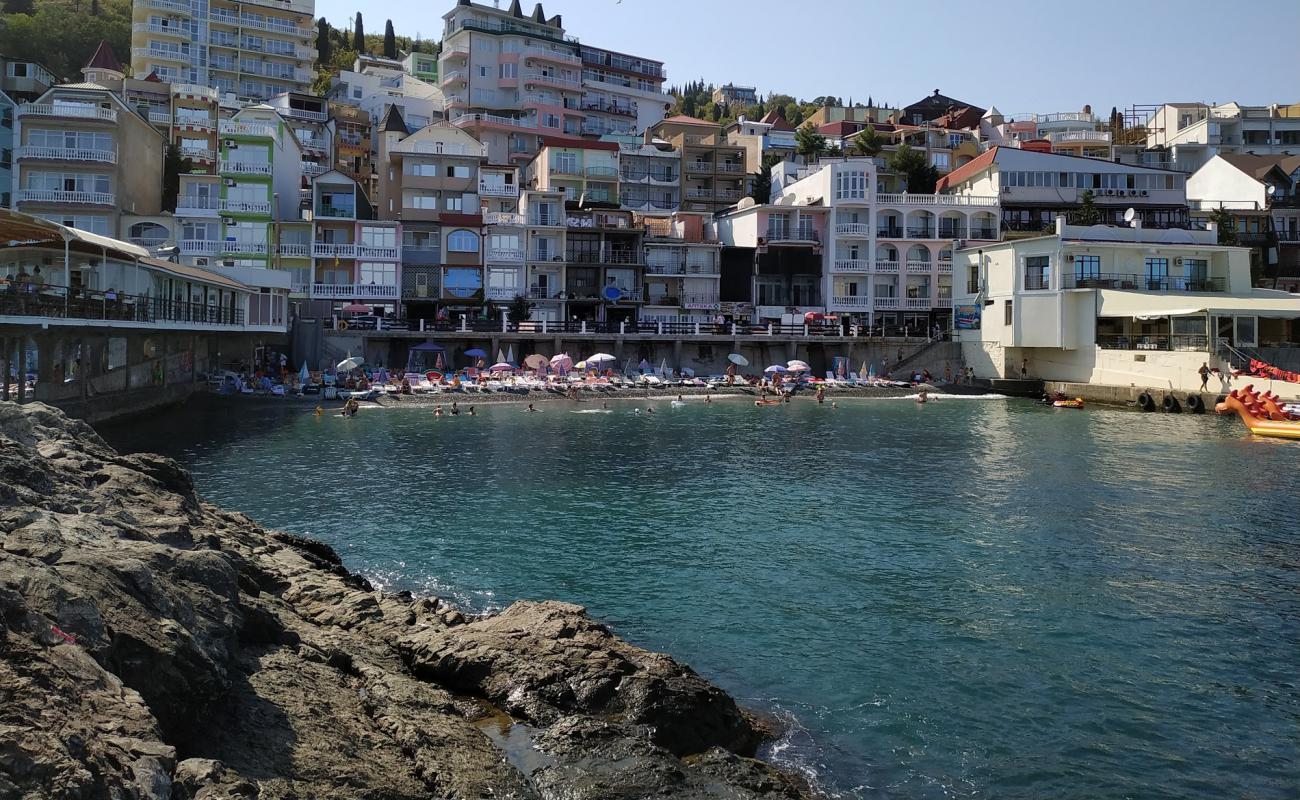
{"points": [[149, 234], [462, 242]]}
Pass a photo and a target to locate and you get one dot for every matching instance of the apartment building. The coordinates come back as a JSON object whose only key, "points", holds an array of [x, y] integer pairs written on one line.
{"points": [[422, 65], [375, 84], [586, 171], [1035, 187], [356, 259], [713, 169], [769, 136], [435, 182], [859, 114], [932, 107], [228, 216], [682, 270], [83, 158], [544, 248], [20, 82], [352, 143], [1075, 133], [650, 177], [308, 116], [730, 94], [254, 49], [622, 94], [1262, 193], [1190, 134], [771, 258], [603, 265]]}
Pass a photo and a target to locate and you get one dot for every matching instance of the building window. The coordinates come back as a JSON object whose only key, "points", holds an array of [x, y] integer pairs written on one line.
{"points": [[457, 171], [1086, 268], [973, 279], [550, 121], [1196, 270], [1157, 273], [508, 69], [453, 204], [378, 273], [851, 185], [1038, 273], [462, 242], [1007, 312]]}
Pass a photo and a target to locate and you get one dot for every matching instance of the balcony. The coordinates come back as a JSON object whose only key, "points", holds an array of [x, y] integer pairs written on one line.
{"points": [[198, 154], [885, 266], [1143, 283], [229, 127], [852, 265], [1062, 137], [945, 267], [920, 232], [306, 113], [1178, 343], [851, 301], [65, 198], [196, 206], [198, 123], [194, 90], [312, 169], [498, 189], [31, 153], [921, 267], [502, 218], [853, 230], [943, 302], [552, 80], [889, 232], [275, 26], [332, 250], [331, 211], [163, 30], [990, 234], [353, 291], [67, 111], [700, 301], [735, 169], [936, 200], [917, 303], [244, 248], [453, 77], [552, 55], [601, 172], [798, 234], [246, 206], [200, 247], [313, 143], [502, 293], [697, 167], [160, 54], [886, 302], [294, 249], [726, 195], [378, 253], [545, 221], [174, 6], [505, 254]]}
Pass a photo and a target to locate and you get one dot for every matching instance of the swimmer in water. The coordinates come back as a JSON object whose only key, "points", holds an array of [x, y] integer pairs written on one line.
{"points": [[708, 398], [319, 411], [649, 410], [471, 411], [530, 407], [437, 411], [636, 410], [604, 404], [834, 405]]}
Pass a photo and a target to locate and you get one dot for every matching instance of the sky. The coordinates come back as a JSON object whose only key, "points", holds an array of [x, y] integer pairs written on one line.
{"points": [[1021, 57]]}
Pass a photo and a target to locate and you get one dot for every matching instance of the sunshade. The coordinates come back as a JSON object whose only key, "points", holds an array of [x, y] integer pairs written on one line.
{"points": [[599, 358], [502, 367], [476, 352], [776, 368], [738, 360], [536, 361], [795, 365], [356, 308], [349, 364]]}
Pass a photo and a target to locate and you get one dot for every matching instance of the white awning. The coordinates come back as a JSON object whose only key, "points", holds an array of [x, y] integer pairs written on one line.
{"points": [[1137, 305]]}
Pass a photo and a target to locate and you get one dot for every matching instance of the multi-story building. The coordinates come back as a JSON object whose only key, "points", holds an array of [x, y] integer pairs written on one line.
{"points": [[770, 136], [194, 122], [432, 180], [544, 249], [682, 270], [373, 85], [1114, 306], [585, 170], [1074, 133], [20, 82], [859, 114], [771, 258], [650, 177], [713, 169], [422, 65], [603, 265], [946, 149], [356, 259], [1190, 134], [353, 142], [309, 118], [1262, 194], [82, 157], [251, 48], [731, 95], [621, 93], [930, 108], [1035, 187]]}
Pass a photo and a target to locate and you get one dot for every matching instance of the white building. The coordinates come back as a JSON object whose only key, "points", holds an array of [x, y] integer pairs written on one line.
{"points": [[1263, 195], [1127, 307], [373, 85], [1193, 133]]}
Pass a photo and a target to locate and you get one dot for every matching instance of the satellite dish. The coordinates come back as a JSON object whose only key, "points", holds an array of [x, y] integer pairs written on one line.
{"points": [[745, 202], [612, 293], [1270, 189], [1129, 215]]}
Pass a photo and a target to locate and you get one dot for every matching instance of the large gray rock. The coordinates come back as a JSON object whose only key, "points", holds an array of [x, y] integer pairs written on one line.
{"points": [[154, 646]]}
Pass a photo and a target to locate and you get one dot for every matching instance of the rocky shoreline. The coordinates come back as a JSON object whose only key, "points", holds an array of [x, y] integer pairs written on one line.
{"points": [[155, 646]]}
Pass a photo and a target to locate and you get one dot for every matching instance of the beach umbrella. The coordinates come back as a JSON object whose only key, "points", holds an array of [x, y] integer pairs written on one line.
{"points": [[599, 358], [536, 361], [304, 374], [561, 362], [795, 365], [356, 308], [775, 368], [663, 368], [510, 354], [476, 352], [738, 360], [501, 355], [349, 364], [502, 367], [437, 361], [580, 365], [644, 366]]}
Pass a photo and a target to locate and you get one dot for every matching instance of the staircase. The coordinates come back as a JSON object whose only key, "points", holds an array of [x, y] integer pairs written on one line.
{"points": [[931, 356]]}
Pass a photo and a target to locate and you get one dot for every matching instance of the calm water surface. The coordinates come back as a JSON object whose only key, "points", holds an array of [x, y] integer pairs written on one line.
{"points": [[974, 598]]}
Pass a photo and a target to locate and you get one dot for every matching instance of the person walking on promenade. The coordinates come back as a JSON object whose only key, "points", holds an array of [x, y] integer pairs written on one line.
{"points": [[1204, 372]]}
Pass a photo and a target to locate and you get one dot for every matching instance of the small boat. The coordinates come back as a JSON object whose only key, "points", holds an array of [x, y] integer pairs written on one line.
{"points": [[1075, 403]]}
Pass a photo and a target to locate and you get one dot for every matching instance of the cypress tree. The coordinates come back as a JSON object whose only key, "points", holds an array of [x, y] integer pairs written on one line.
{"points": [[390, 40], [359, 36], [322, 41]]}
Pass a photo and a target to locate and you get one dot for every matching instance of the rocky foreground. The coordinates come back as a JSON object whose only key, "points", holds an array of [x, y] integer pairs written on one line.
{"points": [[155, 646]]}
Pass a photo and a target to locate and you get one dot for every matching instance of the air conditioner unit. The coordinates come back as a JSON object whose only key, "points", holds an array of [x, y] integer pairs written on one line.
{"points": [[1178, 261], [200, 262], [1070, 258], [230, 181], [229, 143], [1145, 193], [1006, 190], [227, 220]]}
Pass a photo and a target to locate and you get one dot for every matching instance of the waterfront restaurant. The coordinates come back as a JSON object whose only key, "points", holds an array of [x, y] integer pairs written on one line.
{"points": [[1117, 306]]}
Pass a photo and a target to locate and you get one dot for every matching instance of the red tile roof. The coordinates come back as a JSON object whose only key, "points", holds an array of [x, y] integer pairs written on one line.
{"points": [[973, 167], [104, 58], [844, 127], [777, 121], [579, 143]]}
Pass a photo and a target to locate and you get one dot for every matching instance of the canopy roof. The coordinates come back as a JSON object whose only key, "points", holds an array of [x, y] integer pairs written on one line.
{"points": [[1258, 303], [24, 230]]}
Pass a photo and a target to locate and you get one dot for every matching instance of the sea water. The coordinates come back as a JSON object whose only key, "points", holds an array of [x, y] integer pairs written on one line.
{"points": [[968, 598]]}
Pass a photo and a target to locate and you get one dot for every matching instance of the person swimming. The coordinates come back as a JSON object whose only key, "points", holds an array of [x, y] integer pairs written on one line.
{"points": [[530, 408], [471, 411], [319, 411], [922, 396], [603, 404], [649, 409], [834, 404], [708, 398], [455, 409], [437, 411]]}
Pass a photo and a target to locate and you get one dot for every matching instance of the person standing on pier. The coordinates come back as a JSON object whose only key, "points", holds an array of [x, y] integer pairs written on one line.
{"points": [[1204, 372]]}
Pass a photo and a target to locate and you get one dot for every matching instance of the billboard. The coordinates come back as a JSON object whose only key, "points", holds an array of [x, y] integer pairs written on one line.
{"points": [[966, 318]]}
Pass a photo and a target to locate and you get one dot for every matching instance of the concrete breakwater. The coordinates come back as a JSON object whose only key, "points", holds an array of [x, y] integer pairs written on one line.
{"points": [[155, 646]]}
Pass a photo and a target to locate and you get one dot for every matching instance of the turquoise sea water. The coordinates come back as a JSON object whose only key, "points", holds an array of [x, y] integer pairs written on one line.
{"points": [[973, 598]]}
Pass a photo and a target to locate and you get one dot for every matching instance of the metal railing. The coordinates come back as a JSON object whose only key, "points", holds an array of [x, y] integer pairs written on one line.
{"points": [[1183, 343], [62, 302], [558, 80], [920, 232], [1143, 283], [889, 232]]}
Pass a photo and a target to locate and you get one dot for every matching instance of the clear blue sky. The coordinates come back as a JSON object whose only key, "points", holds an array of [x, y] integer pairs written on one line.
{"points": [[1022, 57]]}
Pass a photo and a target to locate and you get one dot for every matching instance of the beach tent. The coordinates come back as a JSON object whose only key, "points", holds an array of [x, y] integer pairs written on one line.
{"points": [[422, 357]]}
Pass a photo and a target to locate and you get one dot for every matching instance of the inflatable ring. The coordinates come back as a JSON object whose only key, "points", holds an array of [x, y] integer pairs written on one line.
{"points": [[342, 326]]}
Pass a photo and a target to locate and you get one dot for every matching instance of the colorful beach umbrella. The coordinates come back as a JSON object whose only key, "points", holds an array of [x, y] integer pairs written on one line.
{"points": [[304, 374], [502, 367], [562, 361], [349, 364], [795, 365], [535, 361], [599, 358], [738, 360], [776, 368]]}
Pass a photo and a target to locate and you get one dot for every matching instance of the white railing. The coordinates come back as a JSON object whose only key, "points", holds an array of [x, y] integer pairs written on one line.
{"points": [[885, 266], [853, 229], [203, 123], [199, 247], [310, 143], [299, 288], [943, 302], [160, 117], [945, 267], [169, 5], [159, 53], [382, 253], [312, 169], [505, 254], [198, 154], [498, 189], [502, 292], [935, 200], [166, 30], [67, 154], [72, 198], [852, 265], [553, 79], [918, 266], [194, 90], [245, 168], [564, 58], [545, 221], [492, 119], [294, 250], [302, 113], [455, 76], [917, 303], [886, 302], [502, 218], [353, 291], [327, 250], [67, 111], [274, 26], [1057, 137], [230, 127], [246, 206], [1065, 116], [202, 206], [700, 301], [851, 301], [244, 248]]}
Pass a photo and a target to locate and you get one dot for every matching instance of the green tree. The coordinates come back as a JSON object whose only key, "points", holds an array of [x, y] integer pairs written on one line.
{"points": [[761, 189], [520, 310], [1225, 225], [173, 166], [341, 60], [359, 35], [18, 6], [1088, 213], [390, 40], [912, 165], [61, 34], [323, 46], [808, 142], [868, 143]]}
